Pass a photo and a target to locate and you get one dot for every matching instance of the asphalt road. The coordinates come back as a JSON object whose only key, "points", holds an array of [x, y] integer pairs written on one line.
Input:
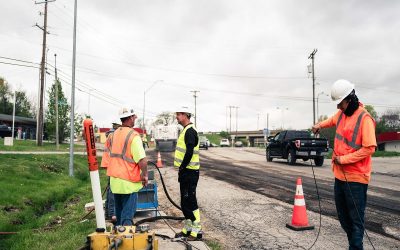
{"points": [[248, 169]]}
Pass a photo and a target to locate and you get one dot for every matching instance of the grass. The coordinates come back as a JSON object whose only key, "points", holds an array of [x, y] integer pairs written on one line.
{"points": [[214, 245], [376, 154], [30, 145], [214, 138], [42, 203]]}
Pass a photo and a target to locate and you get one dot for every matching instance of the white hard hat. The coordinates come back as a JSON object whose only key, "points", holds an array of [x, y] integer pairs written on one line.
{"points": [[126, 112], [183, 109], [340, 90]]}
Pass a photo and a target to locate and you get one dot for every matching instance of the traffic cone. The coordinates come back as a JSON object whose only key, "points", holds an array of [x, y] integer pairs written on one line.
{"points": [[299, 216], [159, 162]]}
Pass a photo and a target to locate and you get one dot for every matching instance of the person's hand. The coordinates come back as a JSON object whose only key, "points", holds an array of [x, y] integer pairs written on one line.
{"points": [[316, 128], [145, 180], [336, 160]]}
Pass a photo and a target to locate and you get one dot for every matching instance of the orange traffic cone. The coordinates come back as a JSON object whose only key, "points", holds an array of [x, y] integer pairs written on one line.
{"points": [[299, 216], [159, 162]]}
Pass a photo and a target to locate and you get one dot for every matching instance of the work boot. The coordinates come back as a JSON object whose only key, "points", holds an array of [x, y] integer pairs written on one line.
{"points": [[181, 235]]}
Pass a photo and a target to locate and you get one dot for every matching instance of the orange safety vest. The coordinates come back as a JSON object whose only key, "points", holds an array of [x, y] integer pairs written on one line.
{"points": [[348, 139], [105, 159], [121, 164]]}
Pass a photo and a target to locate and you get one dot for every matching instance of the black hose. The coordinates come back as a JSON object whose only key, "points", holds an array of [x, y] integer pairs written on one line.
{"points": [[163, 184], [151, 219]]}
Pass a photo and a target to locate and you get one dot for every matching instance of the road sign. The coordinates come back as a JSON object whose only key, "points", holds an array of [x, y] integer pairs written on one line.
{"points": [[266, 131]]}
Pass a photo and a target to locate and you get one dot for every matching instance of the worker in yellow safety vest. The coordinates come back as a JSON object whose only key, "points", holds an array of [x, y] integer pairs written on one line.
{"points": [[127, 167], [188, 162]]}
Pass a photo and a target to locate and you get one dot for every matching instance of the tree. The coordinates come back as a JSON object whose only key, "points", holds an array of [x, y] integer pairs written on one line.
{"points": [[6, 105], [224, 134], [63, 114], [78, 123], [371, 111], [166, 118], [22, 105]]}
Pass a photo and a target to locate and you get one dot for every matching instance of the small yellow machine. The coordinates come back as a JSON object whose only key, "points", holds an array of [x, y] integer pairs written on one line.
{"points": [[123, 238]]}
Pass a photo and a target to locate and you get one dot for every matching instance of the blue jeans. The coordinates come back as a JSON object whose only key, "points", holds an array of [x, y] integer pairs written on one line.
{"points": [[125, 208], [351, 221]]}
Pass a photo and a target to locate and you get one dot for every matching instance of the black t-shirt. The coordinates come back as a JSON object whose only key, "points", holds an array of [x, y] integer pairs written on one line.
{"points": [[191, 140]]}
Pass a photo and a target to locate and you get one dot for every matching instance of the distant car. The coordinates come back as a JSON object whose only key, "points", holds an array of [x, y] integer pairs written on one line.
{"points": [[203, 142], [238, 144], [224, 143], [5, 131]]}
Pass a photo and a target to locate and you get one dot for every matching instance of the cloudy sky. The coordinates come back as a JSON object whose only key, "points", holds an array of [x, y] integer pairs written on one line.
{"points": [[249, 54]]}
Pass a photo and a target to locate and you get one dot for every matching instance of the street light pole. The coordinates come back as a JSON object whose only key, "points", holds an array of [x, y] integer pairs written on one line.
{"points": [[56, 94], [144, 101], [320, 93], [195, 104], [13, 121], [282, 109], [72, 132]]}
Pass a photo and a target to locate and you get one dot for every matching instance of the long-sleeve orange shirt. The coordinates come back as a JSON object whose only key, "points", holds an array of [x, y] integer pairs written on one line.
{"points": [[367, 149]]}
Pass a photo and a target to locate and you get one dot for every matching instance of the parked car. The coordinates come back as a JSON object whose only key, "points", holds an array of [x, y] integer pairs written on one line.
{"points": [[5, 131], [238, 144], [224, 143], [294, 144], [203, 142]]}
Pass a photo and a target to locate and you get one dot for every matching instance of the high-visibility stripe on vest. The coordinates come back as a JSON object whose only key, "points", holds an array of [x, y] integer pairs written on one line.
{"points": [[121, 164], [348, 139], [180, 151], [105, 159]]}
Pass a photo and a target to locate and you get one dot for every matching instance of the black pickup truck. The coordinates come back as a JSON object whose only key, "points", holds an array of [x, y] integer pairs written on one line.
{"points": [[5, 131], [296, 144]]}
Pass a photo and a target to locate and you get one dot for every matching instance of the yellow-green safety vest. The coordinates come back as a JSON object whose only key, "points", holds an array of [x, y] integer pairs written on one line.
{"points": [[181, 150]]}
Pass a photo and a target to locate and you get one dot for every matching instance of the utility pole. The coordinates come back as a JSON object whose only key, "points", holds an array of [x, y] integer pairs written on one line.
{"points": [[230, 118], [71, 138], [39, 136], [195, 112], [236, 119], [56, 90], [226, 118], [258, 121], [312, 55], [268, 124]]}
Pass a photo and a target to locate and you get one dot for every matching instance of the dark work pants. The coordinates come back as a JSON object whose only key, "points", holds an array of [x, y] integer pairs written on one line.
{"points": [[188, 183], [347, 213], [110, 203]]}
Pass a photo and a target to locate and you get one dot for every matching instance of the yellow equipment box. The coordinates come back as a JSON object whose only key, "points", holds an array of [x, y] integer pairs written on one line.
{"points": [[123, 238]]}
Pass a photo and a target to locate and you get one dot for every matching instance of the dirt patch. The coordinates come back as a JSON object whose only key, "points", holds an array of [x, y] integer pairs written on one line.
{"points": [[16, 222], [28, 202], [73, 201], [50, 167], [11, 209]]}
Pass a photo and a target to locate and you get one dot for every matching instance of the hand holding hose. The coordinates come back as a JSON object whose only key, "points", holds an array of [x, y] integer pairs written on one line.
{"points": [[316, 128]]}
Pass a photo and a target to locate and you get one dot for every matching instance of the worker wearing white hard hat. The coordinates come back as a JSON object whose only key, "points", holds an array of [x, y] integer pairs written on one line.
{"points": [[188, 163], [354, 143], [127, 166]]}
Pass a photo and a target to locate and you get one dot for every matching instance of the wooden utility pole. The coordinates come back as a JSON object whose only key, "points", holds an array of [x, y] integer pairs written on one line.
{"points": [[312, 55], [39, 136]]}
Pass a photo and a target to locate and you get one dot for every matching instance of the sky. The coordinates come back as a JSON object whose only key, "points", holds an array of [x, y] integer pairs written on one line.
{"points": [[247, 54]]}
